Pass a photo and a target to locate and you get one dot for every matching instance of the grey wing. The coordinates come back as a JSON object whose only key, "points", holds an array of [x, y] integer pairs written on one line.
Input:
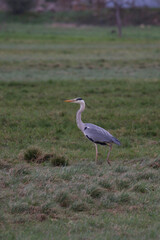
{"points": [[99, 135]]}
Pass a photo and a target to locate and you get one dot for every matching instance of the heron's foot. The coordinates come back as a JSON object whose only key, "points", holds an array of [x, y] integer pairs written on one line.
{"points": [[109, 163]]}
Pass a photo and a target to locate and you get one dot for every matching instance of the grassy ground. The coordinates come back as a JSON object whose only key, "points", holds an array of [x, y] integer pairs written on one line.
{"points": [[120, 80]]}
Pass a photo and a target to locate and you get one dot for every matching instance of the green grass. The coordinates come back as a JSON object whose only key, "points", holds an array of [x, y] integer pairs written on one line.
{"points": [[42, 65]]}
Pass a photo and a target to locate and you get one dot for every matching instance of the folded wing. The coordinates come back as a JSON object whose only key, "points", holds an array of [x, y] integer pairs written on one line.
{"points": [[99, 135]]}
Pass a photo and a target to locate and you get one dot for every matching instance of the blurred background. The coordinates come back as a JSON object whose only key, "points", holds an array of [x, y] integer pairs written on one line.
{"points": [[98, 12]]}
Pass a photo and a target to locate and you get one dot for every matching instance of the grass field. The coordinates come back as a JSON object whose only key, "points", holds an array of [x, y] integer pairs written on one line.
{"points": [[40, 66]]}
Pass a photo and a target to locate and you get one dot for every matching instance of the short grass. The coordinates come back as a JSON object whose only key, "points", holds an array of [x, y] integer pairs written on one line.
{"points": [[42, 65]]}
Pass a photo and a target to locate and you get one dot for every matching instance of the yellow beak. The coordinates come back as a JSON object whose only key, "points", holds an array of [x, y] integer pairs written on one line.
{"points": [[70, 100]]}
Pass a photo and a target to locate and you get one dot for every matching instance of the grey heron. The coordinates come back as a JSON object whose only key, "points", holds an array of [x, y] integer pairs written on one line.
{"points": [[93, 132]]}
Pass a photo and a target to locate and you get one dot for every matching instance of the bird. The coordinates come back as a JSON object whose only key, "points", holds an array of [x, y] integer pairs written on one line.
{"points": [[94, 133]]}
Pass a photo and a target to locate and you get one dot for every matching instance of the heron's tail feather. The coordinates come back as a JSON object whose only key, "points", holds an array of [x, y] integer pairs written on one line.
{"points": [[116, 141]]}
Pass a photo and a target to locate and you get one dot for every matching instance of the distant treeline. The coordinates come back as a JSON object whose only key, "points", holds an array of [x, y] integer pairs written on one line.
{"points": [[129, 16]]}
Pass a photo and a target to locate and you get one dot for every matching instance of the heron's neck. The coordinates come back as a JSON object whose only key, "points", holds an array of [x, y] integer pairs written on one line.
{"points": [[80, 124]]}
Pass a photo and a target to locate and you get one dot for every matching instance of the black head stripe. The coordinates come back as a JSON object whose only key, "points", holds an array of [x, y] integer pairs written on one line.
{"points": [[78, 98]]}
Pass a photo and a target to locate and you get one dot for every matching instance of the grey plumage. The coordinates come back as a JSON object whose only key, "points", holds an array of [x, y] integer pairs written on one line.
{"points": [[99, 135], [93, 132]]}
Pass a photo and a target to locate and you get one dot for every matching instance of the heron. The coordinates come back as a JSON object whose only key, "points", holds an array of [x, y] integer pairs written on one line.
{"points": [[94, 133]]}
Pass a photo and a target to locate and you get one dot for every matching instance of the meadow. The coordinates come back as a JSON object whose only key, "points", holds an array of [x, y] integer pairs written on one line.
{"points": [[40, 67]]}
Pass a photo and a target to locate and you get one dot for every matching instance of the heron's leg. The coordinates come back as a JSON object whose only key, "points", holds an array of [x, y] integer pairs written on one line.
{"points": [[110, 148], [96, 152]]}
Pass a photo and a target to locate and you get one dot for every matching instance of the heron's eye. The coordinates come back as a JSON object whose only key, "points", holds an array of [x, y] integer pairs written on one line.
{"points": [[78, 99]]}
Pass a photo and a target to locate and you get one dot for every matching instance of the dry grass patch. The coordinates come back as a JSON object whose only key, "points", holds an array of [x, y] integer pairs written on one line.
{"points": [[20, 170], [35, 155], [155, 164], [39, 192], [5, 164]]}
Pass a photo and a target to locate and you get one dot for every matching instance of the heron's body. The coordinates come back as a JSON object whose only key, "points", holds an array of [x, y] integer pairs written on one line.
{"points": [[99, 135], [93, 132]]}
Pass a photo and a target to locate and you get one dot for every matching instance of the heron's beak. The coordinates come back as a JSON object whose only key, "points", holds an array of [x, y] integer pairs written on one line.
{"points": [[70, 100]]}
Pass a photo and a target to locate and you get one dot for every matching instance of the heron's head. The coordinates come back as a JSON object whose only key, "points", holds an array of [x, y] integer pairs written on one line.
{"points": [[76, 100]]}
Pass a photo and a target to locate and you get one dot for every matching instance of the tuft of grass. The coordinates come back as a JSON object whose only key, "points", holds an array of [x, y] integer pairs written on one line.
{"points": [[122, 184], [108, 200], [59, 160], [32, 154], [35, 154], [111, 200], [145, 176], [140, 188], [124, 197], [121, 169], [105, 183], [20, 208], [63, 198], [79, 206], [95, 192]]}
